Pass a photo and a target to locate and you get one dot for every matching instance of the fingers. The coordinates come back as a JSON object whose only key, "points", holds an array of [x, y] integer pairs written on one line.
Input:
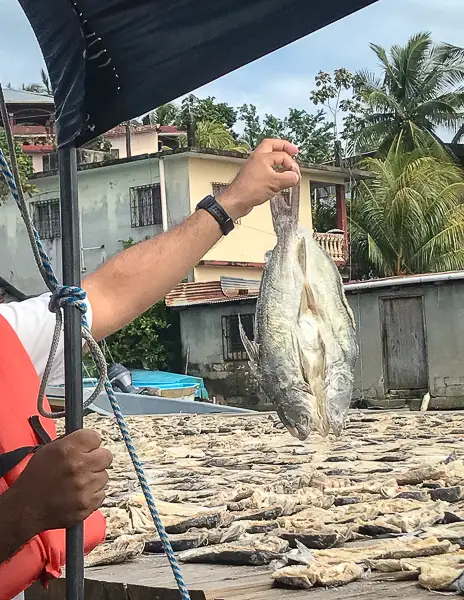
{"points": [[97, 502], [283, 160], [99, 481], [99, 460], [85, 440], [272, 145], [287, 179]]}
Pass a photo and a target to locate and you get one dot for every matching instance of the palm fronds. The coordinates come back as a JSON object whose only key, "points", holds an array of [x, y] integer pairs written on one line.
{"points": [[409, 218]]}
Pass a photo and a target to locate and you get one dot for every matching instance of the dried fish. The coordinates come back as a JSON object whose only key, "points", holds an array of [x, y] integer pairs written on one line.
{"points": [[208, 521], [315, 539], [318, 574], [304, 349], [179, 543], [260, 552], [124, 548]]}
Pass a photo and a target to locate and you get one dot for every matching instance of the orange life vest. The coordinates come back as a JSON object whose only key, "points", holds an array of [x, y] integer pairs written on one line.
{"points": [[21, 431]]}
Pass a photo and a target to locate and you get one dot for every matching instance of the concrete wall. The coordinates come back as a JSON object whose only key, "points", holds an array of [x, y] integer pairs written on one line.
{"points": [[105, 220], [201, 335], [37, 161], [176, 173], [141, 143], [254, 235], [444, 336]]}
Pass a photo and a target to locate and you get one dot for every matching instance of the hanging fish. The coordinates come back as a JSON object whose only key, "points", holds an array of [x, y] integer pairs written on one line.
{"points": [[304, 348]]}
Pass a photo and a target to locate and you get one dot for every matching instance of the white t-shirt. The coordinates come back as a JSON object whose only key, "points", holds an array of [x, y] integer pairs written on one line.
{"points": [[34, 324]]}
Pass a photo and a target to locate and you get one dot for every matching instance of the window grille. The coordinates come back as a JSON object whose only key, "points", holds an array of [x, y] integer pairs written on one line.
{"points": [[145, 205], [46, 218], [232, 345]]}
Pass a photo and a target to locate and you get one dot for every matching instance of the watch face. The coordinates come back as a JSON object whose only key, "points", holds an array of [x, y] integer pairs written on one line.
{"points": [[211, 205]]}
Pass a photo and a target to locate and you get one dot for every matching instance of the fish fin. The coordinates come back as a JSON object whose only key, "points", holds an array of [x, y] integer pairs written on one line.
{"points": [[311, 342], [267, 257], [313, 367], [281, 210], [250, 346], [308, 303]]}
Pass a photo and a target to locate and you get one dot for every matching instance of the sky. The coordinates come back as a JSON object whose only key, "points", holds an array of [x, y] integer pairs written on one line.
{"points": [[284, 78]]}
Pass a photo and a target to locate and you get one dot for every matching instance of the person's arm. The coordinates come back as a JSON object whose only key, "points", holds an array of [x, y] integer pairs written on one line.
{"points": [[133, 280]]}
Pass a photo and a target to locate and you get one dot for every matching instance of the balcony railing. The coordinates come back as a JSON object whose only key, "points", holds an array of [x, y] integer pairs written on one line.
{"points": [[334, 244]]}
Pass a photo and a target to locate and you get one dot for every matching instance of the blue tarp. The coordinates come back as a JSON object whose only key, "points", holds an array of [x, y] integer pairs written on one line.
{"points": [[165, 380]]}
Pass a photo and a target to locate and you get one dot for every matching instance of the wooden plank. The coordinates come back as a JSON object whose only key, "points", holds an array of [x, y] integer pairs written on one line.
{"points": [[361, 590]]}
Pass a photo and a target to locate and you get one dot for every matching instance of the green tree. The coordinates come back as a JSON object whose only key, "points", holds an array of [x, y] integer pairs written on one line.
{"points": [[215, 135], [34, 88], [24, 167], [166, 114], [420, 90], [46, 85], [100, 143], [329, 93], [409, 218], [206, 109], [150, 342], [256, 130], [311, 133]]}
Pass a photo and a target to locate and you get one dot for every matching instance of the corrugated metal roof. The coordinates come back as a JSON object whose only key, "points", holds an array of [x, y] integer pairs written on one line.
{"points": [[228, 289], [23, 97], [234, 287]]}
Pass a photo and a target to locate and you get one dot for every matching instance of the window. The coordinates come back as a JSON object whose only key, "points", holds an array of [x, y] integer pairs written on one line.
{"points": [[232, 345], [46, 217], [145, 205]]}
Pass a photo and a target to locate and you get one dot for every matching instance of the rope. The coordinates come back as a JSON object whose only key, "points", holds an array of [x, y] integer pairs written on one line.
{"points": [[75, 296]]}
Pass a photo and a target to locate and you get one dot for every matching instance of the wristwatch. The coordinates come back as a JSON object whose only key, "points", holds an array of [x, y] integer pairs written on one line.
{"points": [[212, 206]]}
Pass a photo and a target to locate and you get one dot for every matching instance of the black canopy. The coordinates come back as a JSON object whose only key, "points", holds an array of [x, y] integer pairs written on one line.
{"points": [[113, 60]]}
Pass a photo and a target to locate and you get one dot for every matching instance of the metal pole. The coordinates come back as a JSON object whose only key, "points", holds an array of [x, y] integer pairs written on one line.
{"points": [[128, 139], [70, 239]]}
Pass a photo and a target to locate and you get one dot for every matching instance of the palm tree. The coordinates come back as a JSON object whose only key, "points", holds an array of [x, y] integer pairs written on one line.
{"points": [[40, 88], [419, 91], [209, 134], [409, 217], [46, 82], [166, 114], [34, 88]]}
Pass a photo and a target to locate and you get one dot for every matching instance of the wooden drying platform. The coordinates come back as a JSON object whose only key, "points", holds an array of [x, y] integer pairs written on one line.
{"points": [[150, 578], [193, 461]]}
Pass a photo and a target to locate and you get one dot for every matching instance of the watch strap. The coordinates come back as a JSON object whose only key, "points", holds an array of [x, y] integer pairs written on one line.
{"points": [[212, 206]]}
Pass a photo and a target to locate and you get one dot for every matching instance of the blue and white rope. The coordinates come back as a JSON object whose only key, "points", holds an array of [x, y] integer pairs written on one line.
{"points": [[76, 296]]}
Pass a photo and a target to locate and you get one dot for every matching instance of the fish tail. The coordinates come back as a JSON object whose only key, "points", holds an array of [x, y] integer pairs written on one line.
{"points": [[286, 211]]}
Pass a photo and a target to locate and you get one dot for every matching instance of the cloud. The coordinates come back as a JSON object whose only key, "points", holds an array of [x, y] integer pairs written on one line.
{"points": [[284, 78]]}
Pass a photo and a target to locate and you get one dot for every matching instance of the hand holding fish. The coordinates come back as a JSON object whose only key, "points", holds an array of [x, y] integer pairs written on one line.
{"points": [[269, 170]]}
